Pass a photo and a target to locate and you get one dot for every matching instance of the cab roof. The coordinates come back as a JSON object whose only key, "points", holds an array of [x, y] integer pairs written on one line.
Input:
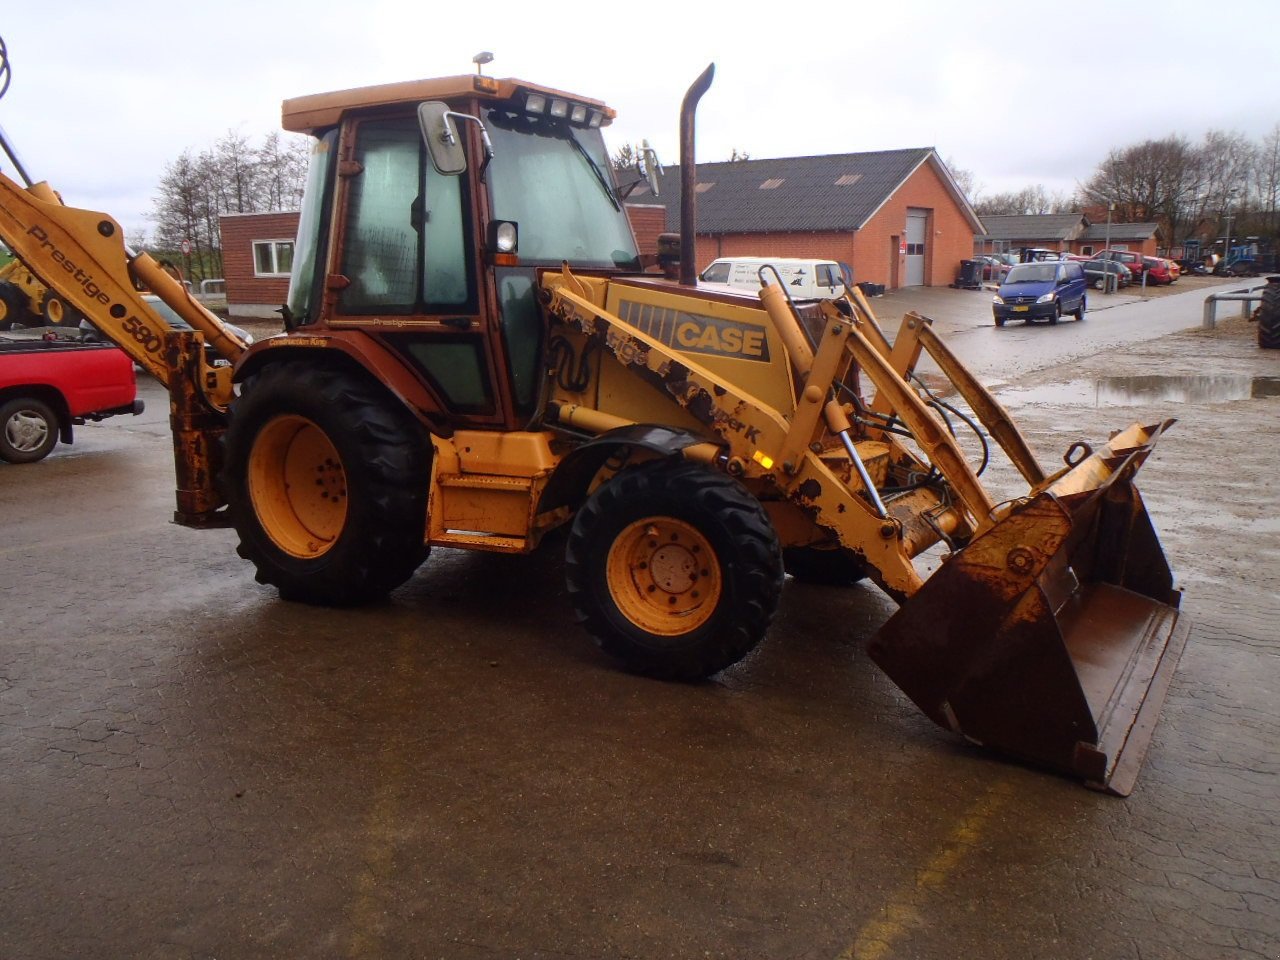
{"points": [[319, 111]]}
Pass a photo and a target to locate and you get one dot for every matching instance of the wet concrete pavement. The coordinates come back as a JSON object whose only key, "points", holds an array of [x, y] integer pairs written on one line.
{"points": [[194, 768]]}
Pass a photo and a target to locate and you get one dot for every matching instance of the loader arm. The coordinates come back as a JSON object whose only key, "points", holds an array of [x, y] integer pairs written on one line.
{"points": [[1050, 632]]}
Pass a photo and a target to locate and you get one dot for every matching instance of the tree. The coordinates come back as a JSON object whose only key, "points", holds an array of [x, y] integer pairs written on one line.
{"points": [[1266, 178], [964, 179], [232, 176], [1027, 201], [739, 156], [625, 158]]}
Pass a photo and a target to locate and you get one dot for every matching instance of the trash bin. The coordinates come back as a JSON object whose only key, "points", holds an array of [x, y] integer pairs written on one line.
{"points": [[970, 275]]}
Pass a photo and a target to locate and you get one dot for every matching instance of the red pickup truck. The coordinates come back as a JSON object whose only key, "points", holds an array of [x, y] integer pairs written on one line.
{"points": [[46, 387]]}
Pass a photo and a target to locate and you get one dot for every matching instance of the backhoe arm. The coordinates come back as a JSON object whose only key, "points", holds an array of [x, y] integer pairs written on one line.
{"points": [[82, 256]]}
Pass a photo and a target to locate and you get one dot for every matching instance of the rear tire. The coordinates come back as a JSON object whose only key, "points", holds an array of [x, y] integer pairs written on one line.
{"points": [[28, 430], [1269, 316], [674, 570], [326, 483]]}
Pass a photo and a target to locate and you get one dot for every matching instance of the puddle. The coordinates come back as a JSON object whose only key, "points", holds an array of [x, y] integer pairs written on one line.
{"points": [[1126, 391]]}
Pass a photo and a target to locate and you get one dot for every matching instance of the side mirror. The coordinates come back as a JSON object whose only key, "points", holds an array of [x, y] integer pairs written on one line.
{"points": [[652, 168], [440, 134]]}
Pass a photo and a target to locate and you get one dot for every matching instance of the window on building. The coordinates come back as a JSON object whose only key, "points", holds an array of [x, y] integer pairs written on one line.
{"points": [[915, 249], [272, 258], [1086, 250]]}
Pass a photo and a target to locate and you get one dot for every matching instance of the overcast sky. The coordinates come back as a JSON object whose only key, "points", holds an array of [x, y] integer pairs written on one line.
{"points": [[105, 93]]}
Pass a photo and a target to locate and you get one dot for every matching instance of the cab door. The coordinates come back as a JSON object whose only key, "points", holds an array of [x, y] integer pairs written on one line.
{"points": [[406, 267]]}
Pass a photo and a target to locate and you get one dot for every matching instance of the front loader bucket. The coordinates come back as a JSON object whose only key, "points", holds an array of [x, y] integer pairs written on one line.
{"points": [[1054, 635]]}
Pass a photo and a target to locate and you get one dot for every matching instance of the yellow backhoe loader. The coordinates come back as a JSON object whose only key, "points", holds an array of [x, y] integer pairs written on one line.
{"points": [[474, 356]]}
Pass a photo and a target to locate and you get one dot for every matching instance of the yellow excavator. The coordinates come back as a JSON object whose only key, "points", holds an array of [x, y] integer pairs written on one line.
{"points": [[475, 355]]}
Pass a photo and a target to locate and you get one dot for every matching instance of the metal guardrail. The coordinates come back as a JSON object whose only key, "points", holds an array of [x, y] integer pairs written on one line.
{"points": [[1245, 297], [215, 287]]}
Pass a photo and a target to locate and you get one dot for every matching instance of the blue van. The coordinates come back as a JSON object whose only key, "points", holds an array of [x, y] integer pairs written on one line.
{"points": [[1041, 291]]}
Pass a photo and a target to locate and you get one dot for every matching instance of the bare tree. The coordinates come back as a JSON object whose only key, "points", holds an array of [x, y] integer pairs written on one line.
{"points": [[964, 179], [1266, 178], [232, 176], [625, 158], [1027, 201]]}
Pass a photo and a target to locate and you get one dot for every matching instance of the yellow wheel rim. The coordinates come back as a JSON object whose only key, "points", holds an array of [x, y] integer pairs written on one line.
{"points": [[298, 486], [54, 310], [663, 576]]}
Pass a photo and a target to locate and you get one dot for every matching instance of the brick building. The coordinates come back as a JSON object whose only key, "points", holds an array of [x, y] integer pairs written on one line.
{"points": [[257, 258], [897, 216], [1072, 233]]}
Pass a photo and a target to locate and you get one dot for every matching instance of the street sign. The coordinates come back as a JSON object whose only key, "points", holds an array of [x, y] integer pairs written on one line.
{"points": [[186, 246]]}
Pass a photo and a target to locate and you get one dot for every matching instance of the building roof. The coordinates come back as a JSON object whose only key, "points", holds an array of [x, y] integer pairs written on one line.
{"points": [[798, 194], [1121, 231], [1037, 226]]}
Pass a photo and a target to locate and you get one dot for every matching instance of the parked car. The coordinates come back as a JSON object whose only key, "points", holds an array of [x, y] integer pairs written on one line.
{"points": [[1041, 291], [1130, 258], [993, 268], [1157, 270], [1095, 272], [49, 386], [804, 279]]}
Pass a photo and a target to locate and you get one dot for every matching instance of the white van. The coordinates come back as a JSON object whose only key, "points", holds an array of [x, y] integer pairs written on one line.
{"points": [[804, 279]]}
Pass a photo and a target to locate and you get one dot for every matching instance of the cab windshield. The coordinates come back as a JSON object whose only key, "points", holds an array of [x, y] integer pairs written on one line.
{"points": [[1031, 273], [554, 181]]}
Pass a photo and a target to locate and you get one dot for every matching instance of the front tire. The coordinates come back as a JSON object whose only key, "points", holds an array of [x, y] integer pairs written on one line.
{"points": [[674, 570], [1056, 315], [58, 313], [326, 483], [1084, 305], [28, 430]]}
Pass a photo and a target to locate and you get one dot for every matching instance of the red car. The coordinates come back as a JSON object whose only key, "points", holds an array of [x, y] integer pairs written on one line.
{"points": [[1130, 258], [1158, 270], [46, 387]]}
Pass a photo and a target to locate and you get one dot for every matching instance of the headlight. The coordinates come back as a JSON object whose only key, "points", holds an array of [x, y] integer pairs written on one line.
{"points": [[998, 299], [1047, 298]]}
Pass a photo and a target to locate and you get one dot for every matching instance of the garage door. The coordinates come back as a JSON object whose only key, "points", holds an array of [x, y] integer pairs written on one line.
{"points": [[917, 221]]}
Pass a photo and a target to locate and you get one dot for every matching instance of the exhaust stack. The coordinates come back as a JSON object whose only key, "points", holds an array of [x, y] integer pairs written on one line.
{"points": [[689, 178]]}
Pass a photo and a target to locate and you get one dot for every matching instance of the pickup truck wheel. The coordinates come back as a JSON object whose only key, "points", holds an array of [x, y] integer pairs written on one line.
{"points": [[326, 484], [13, 306], [674, 570], [28, 430]]}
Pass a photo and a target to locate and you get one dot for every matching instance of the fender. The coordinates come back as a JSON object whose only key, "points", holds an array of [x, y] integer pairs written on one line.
{"points": [[382, 365], [568, 485]]}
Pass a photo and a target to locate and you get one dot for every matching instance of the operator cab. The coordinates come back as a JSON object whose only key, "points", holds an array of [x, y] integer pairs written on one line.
{"points": [[429, 209]]}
